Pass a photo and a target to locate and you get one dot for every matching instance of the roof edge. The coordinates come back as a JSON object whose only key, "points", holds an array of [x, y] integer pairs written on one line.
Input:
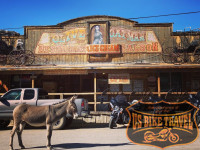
{"points": [[94, 16]]}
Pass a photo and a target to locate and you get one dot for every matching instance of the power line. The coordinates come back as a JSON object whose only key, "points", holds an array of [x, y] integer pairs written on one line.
{"points": [[186, 13]]}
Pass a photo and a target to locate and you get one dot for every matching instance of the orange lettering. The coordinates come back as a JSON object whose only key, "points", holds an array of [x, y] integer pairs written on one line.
{"points": [[148, 47], [155, 46]]}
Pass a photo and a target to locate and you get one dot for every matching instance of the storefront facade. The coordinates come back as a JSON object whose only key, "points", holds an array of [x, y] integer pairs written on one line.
{"points": [[88, 55]]}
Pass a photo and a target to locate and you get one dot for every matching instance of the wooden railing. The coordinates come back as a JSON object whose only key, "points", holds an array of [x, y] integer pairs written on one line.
{"points": [[61, 95]]}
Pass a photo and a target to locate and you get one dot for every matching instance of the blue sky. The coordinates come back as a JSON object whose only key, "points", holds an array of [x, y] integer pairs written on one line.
{"points": [[19, 13]]}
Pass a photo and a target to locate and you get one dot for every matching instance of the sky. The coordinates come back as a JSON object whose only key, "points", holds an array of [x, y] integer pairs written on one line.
{"points": [[18, 13]]}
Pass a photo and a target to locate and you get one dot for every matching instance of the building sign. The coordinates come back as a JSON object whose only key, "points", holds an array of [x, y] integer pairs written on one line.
{"points": [[75, 41], [134, 41], [118, 79], [103, 49], [162, 124], [72, 41]]}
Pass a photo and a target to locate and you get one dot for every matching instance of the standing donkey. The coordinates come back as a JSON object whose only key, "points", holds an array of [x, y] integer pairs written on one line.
{"points": [[40, 116]]}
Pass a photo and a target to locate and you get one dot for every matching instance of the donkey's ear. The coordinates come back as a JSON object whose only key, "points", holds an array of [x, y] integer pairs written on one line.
{"points": [[73, 98]]}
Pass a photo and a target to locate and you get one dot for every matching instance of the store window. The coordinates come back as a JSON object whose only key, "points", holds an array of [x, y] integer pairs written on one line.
{"points": [[87, 83], [128, 87], [21, 81], [138, 85], [75, 83], [176, 81], [114, 87], [165, 82], [171, 81], [102, 82]]}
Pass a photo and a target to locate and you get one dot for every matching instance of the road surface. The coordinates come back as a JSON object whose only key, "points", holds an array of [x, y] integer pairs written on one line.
{"points": [[82, 139]]}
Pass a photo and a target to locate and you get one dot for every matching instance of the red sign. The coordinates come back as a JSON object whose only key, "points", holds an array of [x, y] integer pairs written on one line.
{"points": [[103, 49]]}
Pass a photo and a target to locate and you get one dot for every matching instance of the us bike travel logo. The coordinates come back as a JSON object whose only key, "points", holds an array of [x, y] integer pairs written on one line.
{"points": [[162, 124]]}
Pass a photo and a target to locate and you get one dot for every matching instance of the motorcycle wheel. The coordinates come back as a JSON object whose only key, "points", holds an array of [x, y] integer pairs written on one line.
{"points": [[173, 138], [112, 123]]}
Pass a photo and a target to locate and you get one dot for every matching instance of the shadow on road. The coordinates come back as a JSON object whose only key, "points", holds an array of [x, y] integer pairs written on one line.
{"points": [[81, 145]]}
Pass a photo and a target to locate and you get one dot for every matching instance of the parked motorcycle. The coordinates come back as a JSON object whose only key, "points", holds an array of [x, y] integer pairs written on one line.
{"points": [[195, 100], [119, 114], [118, 105]]}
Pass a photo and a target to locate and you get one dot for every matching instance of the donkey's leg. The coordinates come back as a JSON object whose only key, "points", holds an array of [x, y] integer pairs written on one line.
{"points": [[15, 127], [19, 133], [49, 134]]}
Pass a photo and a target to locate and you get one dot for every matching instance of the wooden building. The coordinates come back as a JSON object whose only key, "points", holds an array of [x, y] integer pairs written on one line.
{"points": [[89, 54]]}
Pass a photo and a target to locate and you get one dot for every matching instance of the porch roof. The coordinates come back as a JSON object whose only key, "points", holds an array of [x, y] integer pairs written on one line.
{"points": [[100, 66]]}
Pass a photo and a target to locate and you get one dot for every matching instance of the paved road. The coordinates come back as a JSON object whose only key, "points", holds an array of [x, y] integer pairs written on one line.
{"points": [[82, 139]]}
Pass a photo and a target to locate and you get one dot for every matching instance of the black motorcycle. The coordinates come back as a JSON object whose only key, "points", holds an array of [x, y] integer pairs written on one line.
{"points": [[195, 100], [119, 115]]}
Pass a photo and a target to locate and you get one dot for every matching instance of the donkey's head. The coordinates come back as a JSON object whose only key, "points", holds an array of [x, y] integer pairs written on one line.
{"points": [[72, 109]]}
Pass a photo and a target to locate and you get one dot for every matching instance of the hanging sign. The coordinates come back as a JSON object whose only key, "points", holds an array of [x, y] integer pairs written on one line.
{"points": [[118, 79]]}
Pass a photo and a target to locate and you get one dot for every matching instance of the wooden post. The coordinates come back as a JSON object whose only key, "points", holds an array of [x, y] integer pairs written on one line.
{"points": [[33, 83], [33, 77], [61, 96], [159, 85], [95, 92]]}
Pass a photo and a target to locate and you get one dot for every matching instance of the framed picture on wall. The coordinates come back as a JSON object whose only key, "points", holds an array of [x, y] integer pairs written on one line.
{"points": [[98, 32]]}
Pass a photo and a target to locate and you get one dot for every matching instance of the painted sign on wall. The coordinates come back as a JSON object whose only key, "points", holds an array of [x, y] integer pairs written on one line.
{"points": [[134, 41], [75, 41], [72, 41]]}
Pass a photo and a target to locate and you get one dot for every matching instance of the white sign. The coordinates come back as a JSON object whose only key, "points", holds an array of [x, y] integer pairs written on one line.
{"points": [[118, 79]]}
